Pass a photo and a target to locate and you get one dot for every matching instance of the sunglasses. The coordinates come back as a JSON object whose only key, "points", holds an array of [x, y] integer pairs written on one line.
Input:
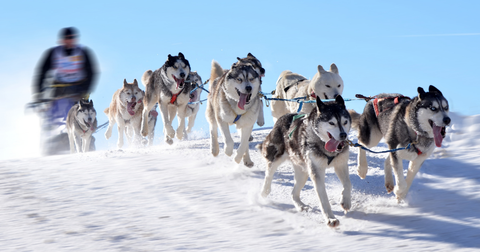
{"points": [[69, 37]]}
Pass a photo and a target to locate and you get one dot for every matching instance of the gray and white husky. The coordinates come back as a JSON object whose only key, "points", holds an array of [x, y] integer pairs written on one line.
{"points": [[126, 110], [233, 99], [81, 124], [325, 84], [166, 86], [192, 109], [312, 142], [420, 121]]}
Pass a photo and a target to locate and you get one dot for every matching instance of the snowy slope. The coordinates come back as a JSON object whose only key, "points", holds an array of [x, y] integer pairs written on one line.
{"points": [[180, 197]]}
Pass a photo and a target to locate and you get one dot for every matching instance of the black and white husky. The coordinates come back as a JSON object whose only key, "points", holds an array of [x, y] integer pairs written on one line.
{"points": [[233, 99], [401, 121], [166, 86], [312, 142], [81, 124]]}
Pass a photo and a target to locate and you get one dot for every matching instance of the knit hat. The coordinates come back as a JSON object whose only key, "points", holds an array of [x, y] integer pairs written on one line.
{"points": [[68, 32]]}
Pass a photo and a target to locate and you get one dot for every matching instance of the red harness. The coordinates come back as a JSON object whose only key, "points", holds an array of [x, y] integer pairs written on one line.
{"points": [[174, 97], [395, 101]]}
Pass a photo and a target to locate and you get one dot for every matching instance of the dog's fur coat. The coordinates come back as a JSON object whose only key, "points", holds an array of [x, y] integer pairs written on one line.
{"points": [[126, 110], [81, 124], [166, 86], [233, 94], [420, 121], [325, 84], [312, 143]]}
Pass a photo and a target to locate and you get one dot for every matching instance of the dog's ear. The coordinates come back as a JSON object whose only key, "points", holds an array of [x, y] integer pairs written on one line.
{"points": [[91, 102], [250, 55], [421, 93], [180, 55], [238, 58], [433, 89], [170, 58], [135, 83], [320, 104], [320, 69], [125, 83], [339, 100], [333, 68]]}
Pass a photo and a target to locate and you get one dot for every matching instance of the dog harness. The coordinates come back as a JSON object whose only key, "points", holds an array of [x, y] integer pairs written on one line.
{"points": [[174, 96], [396, 100]]}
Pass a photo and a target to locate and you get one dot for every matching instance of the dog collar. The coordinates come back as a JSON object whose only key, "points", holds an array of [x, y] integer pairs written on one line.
{"points": [[237, 118]]}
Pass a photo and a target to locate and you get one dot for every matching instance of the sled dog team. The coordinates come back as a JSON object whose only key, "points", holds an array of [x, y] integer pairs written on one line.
{"points": [[312, 140]]}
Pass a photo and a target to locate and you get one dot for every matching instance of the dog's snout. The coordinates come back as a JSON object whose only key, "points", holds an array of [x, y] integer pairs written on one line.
{"points": [[446, 120], [248, 89], [182, 75], [335, 96], [134, 99], [343, 136]]}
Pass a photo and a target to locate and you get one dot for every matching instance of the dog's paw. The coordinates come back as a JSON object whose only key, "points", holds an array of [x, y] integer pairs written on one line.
{"points": [[362, 172], [215, 150], [170, 131], [332, 222], [346, 204], [400, 192], [266, 191], [300, 206], [180, 134], [168, 140], [389, 187], [248, 163], [229, 150], [250, 138]]}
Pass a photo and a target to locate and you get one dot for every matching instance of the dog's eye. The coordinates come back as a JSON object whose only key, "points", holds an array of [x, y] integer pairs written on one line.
{"points": [[175, 67], [251, 79], [331, 123], [345, 123], [339, 85], [328, 86], [445, 108], [433, 108], [239, 79]]}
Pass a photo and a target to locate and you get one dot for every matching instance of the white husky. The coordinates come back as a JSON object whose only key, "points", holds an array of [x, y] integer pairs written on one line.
{"points": [[325, 85], [126, 110]]}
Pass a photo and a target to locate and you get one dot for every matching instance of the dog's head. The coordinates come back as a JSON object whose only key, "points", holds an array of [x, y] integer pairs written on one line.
{"points": [[257, 65], [86, 113], [242, 83], [132, 96], [332, 123], [177, 69], [432, 113], [195, 80], [326, 84]]}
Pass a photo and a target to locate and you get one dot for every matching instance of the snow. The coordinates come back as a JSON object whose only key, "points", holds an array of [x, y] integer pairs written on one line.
{"points": [[180, 197]]}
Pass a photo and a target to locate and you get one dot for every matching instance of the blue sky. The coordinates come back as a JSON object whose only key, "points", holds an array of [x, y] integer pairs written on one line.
{"points": [[378, 46]]}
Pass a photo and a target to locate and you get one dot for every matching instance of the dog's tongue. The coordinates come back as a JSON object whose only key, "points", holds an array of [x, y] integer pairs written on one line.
{"points": [[242, 101], [129, 108], [437, 135], [332, 145]]}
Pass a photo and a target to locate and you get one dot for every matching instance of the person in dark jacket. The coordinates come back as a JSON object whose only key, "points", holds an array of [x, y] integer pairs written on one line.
{"points": [[71, 66]]}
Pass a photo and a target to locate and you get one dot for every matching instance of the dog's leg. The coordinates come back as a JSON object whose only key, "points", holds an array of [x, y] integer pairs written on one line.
{"points": [[362, 167], [260, 117], [227, 138], [181, 121], [413, 168], [147, 106], [269, 172], [108, 133], [167, 124], [121, 131], [387, 168], [317, 174], [301, 177], [86, 143], [71, 142], [78, 142], [243, 151], [343, 175], [400, 189], [191, 122]]}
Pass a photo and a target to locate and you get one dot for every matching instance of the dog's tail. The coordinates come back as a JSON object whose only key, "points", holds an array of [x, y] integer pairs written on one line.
{"points": [[355, 118], [216, 71], [107, 110], [146, 77]]}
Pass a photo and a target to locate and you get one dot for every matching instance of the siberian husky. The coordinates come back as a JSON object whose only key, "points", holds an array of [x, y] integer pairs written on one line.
{"points": [[125, 109], [193, 105], [420, 121], [325, 84], [233, 99], [312, 142], [166, 86], [257, 65], [81, 124]]}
